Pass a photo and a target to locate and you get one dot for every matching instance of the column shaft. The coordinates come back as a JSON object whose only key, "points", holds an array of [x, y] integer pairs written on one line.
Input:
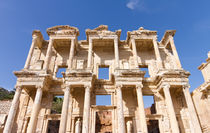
{"points": [[12, 111], [28, 60], [86, 111], [170, 108], [191, 109], [141, 109], [116, 51], [135, 56], [48, 55], [121, 121], [71, 53], [157, 54], [90, 53], [175, 52], [35, 111], [64, 113]]}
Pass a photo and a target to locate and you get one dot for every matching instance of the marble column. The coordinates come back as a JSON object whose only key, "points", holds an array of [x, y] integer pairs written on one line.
{"points": [[64, 113], [116, 52], [135, 56], [35, 111], [120, 113], [170, 108], [157, 53], [86, 110], [71, 53], [13, 111], [78, 126], [90, 51], [191, 109], [141, 108], [175, 52], [28, 60], [48, 55]]}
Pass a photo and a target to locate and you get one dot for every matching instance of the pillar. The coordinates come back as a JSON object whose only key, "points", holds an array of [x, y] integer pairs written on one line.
{"points": [[135, 56], [64, 113], [48, 55], [157, 53], [28, 60], [86, 110], [116, 52], [90, 51], [35, 111], [12, 111], [175, 52], [170, 108], [120, 113], [141, 109], [191, 109], [71, 53]]}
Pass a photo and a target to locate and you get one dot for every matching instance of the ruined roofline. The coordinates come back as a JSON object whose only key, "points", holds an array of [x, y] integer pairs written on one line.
{"points": [[165, 38], [102, 30], [203, 65]]}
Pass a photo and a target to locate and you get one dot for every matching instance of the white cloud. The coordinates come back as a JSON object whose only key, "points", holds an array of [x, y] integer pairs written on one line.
{"points": [[132, 4], [137, 5]]}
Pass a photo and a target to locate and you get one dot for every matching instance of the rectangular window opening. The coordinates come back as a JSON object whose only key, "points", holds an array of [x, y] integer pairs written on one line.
{"points": [[145, 68], [59, 72], [149, 105], [57, 104], [153, 126], [53, 126], [103, 72], [103, 99]]}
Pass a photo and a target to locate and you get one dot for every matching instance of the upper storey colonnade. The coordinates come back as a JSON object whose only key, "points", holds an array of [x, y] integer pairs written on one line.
{"points": [[102, 48]]}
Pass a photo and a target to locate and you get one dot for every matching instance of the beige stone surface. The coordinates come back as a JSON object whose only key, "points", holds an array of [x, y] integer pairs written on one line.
{"points": [[201, 97], [127, 83]]}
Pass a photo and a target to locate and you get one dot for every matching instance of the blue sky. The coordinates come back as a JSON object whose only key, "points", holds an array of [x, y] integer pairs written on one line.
{"points": [[191, 19]]}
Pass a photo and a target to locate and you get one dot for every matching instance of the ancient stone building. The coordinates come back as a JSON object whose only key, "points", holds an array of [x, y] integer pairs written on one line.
{"points": [[201, 97], [38, 84]]}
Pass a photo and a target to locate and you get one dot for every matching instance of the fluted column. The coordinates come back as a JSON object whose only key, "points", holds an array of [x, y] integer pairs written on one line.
{"points": [[170, 108], [120, 113], [35, 111], [157, 53], [175, 52], [116, 52], [90, 51], [71, 53], [13, 111], [141, 108], [48, 55], [64, 113], [86, 110], [191, 109], [134, 53], [28, 60]]}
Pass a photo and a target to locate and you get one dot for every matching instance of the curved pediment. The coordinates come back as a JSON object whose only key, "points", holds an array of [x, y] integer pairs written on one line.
{"points": [[63, 30]]}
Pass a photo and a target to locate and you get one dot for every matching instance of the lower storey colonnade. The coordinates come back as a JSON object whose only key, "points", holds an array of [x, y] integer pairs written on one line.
{"points": [[121, 121]]}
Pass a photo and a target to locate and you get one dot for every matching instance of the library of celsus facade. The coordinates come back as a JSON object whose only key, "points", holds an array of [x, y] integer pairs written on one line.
{"points": [[80, 84]]}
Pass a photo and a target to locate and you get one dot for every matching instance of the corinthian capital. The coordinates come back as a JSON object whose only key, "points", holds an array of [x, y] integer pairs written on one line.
{"points": [[165, 85], [139, 86], [118, 86], [186, 86]]}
